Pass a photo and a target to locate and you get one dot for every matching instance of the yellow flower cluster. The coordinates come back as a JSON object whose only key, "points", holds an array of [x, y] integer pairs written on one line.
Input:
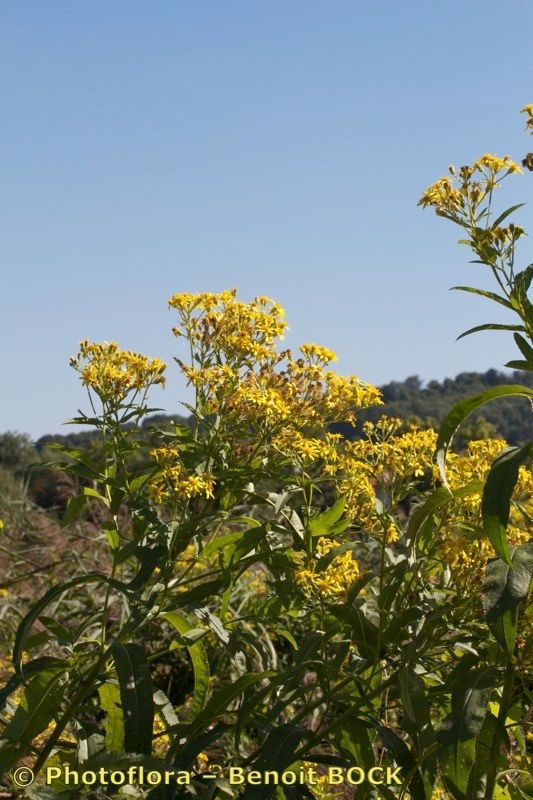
{"points": [[318, 353], [493, 164], [239, 374], [220, 323], [336, 579], [464, 545], [302, 448], [393, 452], [113, 373], [528, 110], [173, 482], [386, 461], [258, 401], [457, 194], [443, 196], [505, 236]]}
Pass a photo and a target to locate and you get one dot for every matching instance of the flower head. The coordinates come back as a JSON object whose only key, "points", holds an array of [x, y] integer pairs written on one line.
{"points": [[113, 373]]}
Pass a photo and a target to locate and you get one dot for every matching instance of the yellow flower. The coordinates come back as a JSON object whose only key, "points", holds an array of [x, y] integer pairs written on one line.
{"points": [[319, 353], [465, 550], [293, 443], [494, 164], [443, 196], [529, 111], [336, 579], [173, 481], [113, 373]]}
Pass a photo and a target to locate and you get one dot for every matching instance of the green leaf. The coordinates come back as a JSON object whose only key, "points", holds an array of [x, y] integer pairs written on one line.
{"points": [[496, 501], [353, 741], [504, 588], [56, 591], [324, 523], [489, 295], [491, 326], [522, 365], [114, 720], [505, 214], [40, 702], [218, 703], [136, 696], [199, 593], [417, 722], [76, 455], [457, 732], [364, 632], [74, 506], [111, 534], [404, 758], [524, 347], [455, 764], [416, 709], [484, 758], [276, 753], [88, 491], [324, 561], [165, 709], [437, 499], [220, 542], [61, 633], [36, 665], [149, 556], [199, 660], [463, 409], [248, 707], [189, 751]]}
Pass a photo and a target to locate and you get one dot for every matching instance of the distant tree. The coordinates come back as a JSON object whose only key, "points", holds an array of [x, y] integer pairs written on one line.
{"points": [[17, 453]]}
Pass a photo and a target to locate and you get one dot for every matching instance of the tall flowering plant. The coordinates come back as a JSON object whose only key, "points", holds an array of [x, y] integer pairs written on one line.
{"points": [[466, 197], [269, 595]]}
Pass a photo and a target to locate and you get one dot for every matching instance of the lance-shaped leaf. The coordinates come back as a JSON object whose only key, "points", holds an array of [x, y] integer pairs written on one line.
{"points": [[329, 521], [364, 633], [30, 668], [461, 411], [483, 293], [484, 757], [417, 718], [53, 593], [200, 662], [114, 719], [136, 696], [39, 703], [504, 588], [405, 759], [457, 733], [217, 706], [354, 742], [276, 753], [496, 502], [435, 501], [490, 326]]}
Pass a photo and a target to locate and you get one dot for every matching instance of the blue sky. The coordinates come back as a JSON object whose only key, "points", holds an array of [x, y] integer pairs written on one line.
{"points": [[279, 147]]}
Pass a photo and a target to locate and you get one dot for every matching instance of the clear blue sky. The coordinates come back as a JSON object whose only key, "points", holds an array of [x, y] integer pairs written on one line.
{"points": [[280, 147]]}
